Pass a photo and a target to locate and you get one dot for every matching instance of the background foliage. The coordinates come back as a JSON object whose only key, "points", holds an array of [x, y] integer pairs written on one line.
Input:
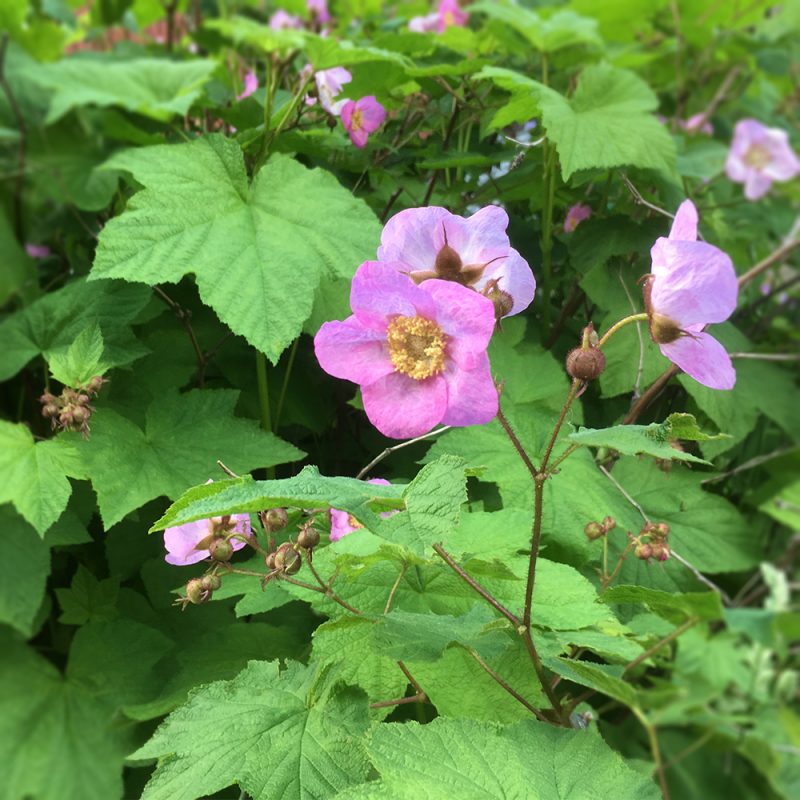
{"points": [[184, 243]]}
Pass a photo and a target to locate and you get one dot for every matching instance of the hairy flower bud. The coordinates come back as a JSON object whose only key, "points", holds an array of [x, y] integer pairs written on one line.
{"points": [[95, 384], [196, 593], [287, 559], [83, 399], [609, 523], [594, 530], [586, 365], [643, 551], [270, 561], [276, 519], [50, 410], [220, 550], [503, 301], [660, 551], [660, 530], [308, 538], [80, 414], [211, 582]]}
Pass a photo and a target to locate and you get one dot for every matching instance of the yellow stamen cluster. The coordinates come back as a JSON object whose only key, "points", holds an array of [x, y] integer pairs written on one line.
{"points": [[416, 346], [757, 156], [357, 120]]}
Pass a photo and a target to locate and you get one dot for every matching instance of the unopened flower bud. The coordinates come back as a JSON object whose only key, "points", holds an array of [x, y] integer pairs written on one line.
{"points": [[586, 365], [80, 414], [660, 530], [643, 551], [270, 561], [503, 302], [50, 410], [48, 399], [65, 418], [276, 519], [95, 384], [609, 523], [211, 582], [660, 551], [196, 593], [83, 399], [594, 530], [308, 538], [220, 550], [287, 559]]}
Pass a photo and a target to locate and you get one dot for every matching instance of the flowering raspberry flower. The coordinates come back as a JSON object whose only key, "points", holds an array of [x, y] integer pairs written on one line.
{"points": [[319, 9], [361, 118], [449, 13], [692, 284], [759, 156], [418, 352], [189, 543], [329, 85], [342, 523], [697, 123], [283, 20], [431, 242], [250, 85], [576, 214]]}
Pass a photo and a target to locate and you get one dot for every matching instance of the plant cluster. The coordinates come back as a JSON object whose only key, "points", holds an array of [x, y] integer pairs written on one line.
{"points": [[448, 354]]}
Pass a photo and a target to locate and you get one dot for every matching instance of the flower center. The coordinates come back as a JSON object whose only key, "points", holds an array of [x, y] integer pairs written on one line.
{"points": [[757, 156], [353, 522], [663, 329], [357, 120], [416, 346]]}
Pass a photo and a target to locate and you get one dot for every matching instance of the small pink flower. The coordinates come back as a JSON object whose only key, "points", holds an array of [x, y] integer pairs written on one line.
{"points": [[576, 214], [319, 9], [282, 20], [361, 118], [431, 242], [759, 156], [418, 352], [451, 14], [427, 24], [250, 85], [329, 85], [189, 543], [692, 284], [697, 123], [37, 250], [342, 523]]}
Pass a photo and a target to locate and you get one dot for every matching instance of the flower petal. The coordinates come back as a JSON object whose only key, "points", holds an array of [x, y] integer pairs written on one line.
{"points": [[372, 113], [402, 408], [484, 236], [380, 291], [703, 358], [756, 184], [340, 524], [181, 543], [351, 351], [465, 316], [471, 394], [684, 226], [514, 276], [696, 282], [413, 237]]}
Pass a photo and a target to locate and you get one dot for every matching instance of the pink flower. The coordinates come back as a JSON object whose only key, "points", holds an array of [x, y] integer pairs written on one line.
{"points": [[342, 523], [692, 284], [697, 123], [250, 85], [433, 243], [418, 352], [426, 24], [189, 543], [319, 9], [361, 117], [450, 13], [576, 214], [759, 156], [282, 20], [37, 250], [329, 85]]}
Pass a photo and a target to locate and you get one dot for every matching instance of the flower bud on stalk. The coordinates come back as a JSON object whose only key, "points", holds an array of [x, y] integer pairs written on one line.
{"points": [[196, 592], [594, 530], [220, 550], [287, 559], [308, 538], [586, 362], [276, 519]]}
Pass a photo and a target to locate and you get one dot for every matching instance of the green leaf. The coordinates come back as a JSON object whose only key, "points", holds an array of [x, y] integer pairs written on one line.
{"points": [[674, 607], [26, 565], [606, 123], [153, 87], [466, 759], [258, 257], [307, 489], [57, 741], [652, 440], [266, 732], [81, 360], [35, 474], [596, 676], [51, 324], [88, 599], [183, 437], [247, 31]]}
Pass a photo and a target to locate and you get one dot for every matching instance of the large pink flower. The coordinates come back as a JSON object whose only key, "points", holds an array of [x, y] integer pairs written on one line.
{"points": [[329, 85], [189, 543], [692, 284], [342, 523], [361, 118], [418, 352], [433, 243], [759, 156]]}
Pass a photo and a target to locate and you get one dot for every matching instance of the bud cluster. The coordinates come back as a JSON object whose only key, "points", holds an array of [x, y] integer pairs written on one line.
{"points": [[72, 409], [652, 542], [199, 590], [596, 530]]}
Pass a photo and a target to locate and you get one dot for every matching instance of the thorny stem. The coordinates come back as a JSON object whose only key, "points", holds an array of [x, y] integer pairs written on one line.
{"points": [[573, 391], [621, 324], [501, 418], [500, 682]]}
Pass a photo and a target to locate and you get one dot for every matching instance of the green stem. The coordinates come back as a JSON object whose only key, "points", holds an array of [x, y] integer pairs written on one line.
{"points": [[263, 399], [285, 384], [547, 226], [621, 324], [655, 750]]}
